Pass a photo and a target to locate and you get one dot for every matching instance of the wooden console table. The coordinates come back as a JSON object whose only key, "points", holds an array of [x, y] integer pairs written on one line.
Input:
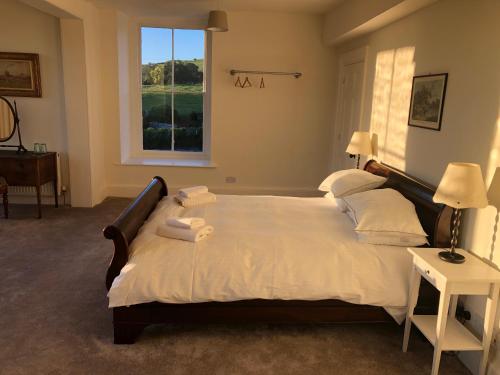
{"points": [[30, 169]]}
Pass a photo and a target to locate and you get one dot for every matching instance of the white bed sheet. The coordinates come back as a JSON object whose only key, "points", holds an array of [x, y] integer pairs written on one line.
{"points": [[263, 247]]}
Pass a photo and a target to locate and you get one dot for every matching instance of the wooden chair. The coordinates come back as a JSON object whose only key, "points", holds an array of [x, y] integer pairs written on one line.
{"points": [[4, 189]]}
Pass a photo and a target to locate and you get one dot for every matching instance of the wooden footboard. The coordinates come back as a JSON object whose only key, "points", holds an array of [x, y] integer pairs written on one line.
{"points": [[124, 229]]}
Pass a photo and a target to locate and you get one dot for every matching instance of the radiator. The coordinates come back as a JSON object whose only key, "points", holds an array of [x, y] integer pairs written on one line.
{"points": [[46, 189]]}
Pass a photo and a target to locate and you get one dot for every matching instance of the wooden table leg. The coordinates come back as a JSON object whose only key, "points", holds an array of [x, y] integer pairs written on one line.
{"points": [[489, 323], [444, 304], [412, 302], [6, 205], [56, 197], [39, 200]]}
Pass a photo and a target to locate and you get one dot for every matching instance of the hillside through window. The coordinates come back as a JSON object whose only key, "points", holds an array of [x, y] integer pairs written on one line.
{"points": [[172, 89]]}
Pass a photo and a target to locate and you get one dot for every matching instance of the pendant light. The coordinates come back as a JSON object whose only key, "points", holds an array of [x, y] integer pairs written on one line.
{"points": [[217, 21]]}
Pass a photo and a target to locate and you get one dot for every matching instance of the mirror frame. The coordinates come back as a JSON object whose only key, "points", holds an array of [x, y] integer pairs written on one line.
{"points": [[13, 109]]}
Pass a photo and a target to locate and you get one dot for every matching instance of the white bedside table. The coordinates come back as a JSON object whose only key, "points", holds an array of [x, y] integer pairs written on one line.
{"points": [[474, 277]]}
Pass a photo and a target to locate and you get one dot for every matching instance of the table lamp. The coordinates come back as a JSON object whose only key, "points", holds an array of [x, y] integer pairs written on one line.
{"points": [[361, 144], [462, 186]]}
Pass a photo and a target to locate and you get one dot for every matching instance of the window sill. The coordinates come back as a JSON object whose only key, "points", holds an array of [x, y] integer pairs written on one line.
{"points": [[189, 163]]}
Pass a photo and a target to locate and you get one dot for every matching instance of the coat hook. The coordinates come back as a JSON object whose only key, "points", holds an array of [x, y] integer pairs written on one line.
{"points": [[238, 82], [262, 84], [246, 83]]}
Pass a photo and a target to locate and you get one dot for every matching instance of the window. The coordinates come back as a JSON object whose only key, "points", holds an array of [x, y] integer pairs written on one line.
{"points": [[173, 92]]}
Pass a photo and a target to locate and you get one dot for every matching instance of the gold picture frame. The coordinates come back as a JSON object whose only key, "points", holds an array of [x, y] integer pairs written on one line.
{"points": [[20, 74]]}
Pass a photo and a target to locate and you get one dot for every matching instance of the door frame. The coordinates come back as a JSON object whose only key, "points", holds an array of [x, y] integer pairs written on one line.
{"points": [[358, 55]]}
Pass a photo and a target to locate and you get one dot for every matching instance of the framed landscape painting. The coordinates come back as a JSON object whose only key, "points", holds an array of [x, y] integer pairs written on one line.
{"points": [[427, 101], [20, 74]]}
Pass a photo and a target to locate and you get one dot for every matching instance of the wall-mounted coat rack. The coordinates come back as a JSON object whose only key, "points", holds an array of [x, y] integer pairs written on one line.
{"points": [[258, 72]]}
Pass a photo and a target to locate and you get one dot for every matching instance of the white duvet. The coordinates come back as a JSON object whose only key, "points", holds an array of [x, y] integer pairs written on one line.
{"points": [[263, 247]]}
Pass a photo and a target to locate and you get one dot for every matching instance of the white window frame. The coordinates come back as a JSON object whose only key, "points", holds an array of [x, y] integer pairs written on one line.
{"points": [[136, 155]]}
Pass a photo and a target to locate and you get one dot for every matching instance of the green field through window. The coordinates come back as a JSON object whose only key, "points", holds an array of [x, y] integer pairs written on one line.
{"points": [[172, 91]]}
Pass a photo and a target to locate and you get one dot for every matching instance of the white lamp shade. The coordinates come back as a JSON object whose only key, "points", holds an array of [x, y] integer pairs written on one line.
{"points": [[217, 21], [361, 143], [462, 186], [494, 190]]}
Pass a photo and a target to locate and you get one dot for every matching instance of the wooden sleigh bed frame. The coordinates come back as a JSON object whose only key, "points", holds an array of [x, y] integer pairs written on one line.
{"points": [[128, 322]]}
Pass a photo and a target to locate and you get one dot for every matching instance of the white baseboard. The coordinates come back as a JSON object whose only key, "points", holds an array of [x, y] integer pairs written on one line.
{"points": [[130, 191]]}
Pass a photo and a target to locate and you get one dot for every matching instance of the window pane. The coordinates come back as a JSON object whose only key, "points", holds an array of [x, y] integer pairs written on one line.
{"points": [[188, 131], [156, 88], [189, 52]]}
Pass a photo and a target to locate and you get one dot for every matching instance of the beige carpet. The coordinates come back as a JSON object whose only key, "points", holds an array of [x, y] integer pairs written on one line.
{"points": [[54, 320]]}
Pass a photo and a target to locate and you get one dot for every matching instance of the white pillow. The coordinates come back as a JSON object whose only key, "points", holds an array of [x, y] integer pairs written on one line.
{"points": [[385, 217], [351, 181], [376, 238], [338, 201]]}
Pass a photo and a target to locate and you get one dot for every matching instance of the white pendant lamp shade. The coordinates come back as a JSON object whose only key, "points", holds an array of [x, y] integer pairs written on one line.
{"points": [[361, 144], [217, 21], [462, 186]]}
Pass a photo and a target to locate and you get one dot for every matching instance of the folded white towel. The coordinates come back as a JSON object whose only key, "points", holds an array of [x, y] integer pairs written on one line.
{"points": [[198, 200], [186, 222], [193, 191], [192, 235]]}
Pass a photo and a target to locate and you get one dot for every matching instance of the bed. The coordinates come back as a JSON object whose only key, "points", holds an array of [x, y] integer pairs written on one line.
{"points": [[196, 293]]}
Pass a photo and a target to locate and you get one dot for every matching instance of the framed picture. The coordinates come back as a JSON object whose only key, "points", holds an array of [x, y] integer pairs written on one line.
{"points": [[427, 101], [20, 74]]}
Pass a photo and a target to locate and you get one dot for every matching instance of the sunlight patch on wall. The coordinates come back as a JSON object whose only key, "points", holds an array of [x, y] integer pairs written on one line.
{"points": [[394, 71], [381, 98]]}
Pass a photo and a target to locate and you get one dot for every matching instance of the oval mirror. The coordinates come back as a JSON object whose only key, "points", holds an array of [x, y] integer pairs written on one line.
{"points": [[7, 120]]}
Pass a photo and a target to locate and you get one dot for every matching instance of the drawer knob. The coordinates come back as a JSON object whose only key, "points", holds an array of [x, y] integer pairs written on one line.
{"points": [[427, 272]]}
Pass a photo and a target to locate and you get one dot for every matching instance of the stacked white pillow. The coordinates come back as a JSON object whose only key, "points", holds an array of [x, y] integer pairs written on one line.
{"points": [[350, 181], [380, 216], [338, 201], [385, 217]]}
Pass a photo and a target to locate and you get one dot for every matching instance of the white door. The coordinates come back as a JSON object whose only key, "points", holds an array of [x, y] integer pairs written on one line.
{"points": [[349, 111]]}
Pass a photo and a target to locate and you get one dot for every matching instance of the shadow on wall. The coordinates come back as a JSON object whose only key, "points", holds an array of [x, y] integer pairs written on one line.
{"points": [[481, 236], [482, 224], [394, 70], [494, 200]]}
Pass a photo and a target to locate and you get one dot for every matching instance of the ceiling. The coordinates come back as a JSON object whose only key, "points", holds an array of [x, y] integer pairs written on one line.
{"points": [[196, 8]]}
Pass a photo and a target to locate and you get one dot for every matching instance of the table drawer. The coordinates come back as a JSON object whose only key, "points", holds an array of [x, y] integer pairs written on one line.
{"points": [[429, 273], [19, 172]]}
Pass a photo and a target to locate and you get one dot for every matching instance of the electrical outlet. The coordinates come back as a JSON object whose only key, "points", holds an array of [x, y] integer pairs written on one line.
{"points": [[230, 180]]}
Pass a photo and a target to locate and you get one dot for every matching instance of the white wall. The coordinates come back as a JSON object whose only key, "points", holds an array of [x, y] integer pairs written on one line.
{"points": [[80, 26], [25, 29], [459, 37], [357, 17], [273, 140], [75, 93]]}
